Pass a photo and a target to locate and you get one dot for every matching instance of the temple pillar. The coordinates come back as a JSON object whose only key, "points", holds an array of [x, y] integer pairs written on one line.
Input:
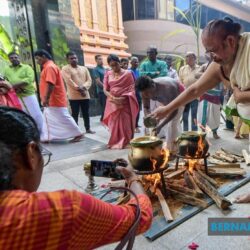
{"points": [[109, 14], [120, 22], [94, 15], [83, 19]]}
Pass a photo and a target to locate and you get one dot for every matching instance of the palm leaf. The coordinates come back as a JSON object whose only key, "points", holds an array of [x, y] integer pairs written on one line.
{"points": [[180, 45], [172, 33], [183, 15]]}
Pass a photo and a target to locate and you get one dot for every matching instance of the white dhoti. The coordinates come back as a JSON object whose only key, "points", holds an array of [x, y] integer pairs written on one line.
{"points": [[172, 130], [31, 106], [58, 124], [240, 77], [208, 114]]}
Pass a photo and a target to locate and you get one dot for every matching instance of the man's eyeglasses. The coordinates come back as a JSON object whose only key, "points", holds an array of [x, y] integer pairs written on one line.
{"points": [[46, 155]]}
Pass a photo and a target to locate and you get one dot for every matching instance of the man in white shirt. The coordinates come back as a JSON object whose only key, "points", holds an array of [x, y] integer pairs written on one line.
{"points": [[172, 73]]}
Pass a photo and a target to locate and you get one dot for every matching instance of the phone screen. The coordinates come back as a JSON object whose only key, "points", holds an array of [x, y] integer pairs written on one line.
{"points": [[104, 169]]}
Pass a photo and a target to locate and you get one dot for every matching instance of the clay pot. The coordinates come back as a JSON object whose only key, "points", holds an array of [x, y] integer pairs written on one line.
{"points": [[143, 149], [188, 144]]}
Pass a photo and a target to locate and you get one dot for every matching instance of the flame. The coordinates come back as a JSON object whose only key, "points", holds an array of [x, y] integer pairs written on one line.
{"points": [[191, 165], [193, 162], [200, 148], [155, 179]]}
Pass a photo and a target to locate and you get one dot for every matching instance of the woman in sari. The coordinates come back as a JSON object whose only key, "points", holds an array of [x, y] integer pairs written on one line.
{"points": [[121, 107], [8, 95]]}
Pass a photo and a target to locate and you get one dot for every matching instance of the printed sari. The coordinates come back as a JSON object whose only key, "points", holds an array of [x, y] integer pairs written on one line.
{"points": [[120, 119]]}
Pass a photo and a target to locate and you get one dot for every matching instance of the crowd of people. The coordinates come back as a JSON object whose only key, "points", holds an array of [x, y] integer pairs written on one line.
{"points": [[122, 89], [52, 220]]}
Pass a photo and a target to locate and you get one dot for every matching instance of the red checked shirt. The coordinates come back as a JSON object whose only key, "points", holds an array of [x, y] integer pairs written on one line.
{"points": [[64, 220]]}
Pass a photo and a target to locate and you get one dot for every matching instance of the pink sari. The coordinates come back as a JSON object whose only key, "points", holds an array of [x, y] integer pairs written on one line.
{"points": [[120, 120]]}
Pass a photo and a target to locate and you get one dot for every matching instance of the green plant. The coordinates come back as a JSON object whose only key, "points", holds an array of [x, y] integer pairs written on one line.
{"points": [[193, 19], [59, 45], [6, 44]]}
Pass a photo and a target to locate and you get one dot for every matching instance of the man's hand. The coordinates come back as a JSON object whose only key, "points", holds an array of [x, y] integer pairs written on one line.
{"points": [[237, 94], [160, 113], [82, 91], [45, 103]]}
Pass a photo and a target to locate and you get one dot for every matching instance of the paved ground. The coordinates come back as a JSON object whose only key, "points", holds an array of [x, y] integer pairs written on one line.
{"points": [[66, 172]]}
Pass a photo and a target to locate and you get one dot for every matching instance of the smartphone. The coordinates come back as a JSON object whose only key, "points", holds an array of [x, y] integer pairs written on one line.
{"points": [[104, 169]]}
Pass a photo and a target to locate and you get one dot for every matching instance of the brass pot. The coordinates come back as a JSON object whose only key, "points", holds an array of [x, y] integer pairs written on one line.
{"points": [[143, 151], [188, 144]]}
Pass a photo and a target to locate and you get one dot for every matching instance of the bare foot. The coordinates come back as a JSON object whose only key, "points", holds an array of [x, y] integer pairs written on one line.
{"points": [[89, 131], [238, 136], [245, 198], [77, 138], [215, 135]]}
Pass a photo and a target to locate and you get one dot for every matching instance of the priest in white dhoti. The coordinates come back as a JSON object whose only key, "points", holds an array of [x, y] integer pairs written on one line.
{"points": [[230, 51]]}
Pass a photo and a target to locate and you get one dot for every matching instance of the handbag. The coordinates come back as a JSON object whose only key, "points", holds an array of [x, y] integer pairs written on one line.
{"points": [[129, 238]]}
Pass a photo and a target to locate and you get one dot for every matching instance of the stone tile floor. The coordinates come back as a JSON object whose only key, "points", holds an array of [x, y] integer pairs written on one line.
{"points": [[68, 174]]}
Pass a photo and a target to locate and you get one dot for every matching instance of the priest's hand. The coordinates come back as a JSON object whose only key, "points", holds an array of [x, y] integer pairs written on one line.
{"points": [[160, 113], [237, 94]]}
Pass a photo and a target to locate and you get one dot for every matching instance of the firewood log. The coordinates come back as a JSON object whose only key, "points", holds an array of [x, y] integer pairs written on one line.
{"points": [[191, 184], [226, 171], [164, 206], [212, 160], [239, 157], [226, 165], [232, 156], [219, 199], [221, 156], [212, 181], [187, 198], [174, 174], [182, 189]]}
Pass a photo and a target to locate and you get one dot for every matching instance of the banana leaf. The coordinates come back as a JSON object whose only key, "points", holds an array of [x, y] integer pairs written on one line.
{"points": [[3, 55], [5, 40]]}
